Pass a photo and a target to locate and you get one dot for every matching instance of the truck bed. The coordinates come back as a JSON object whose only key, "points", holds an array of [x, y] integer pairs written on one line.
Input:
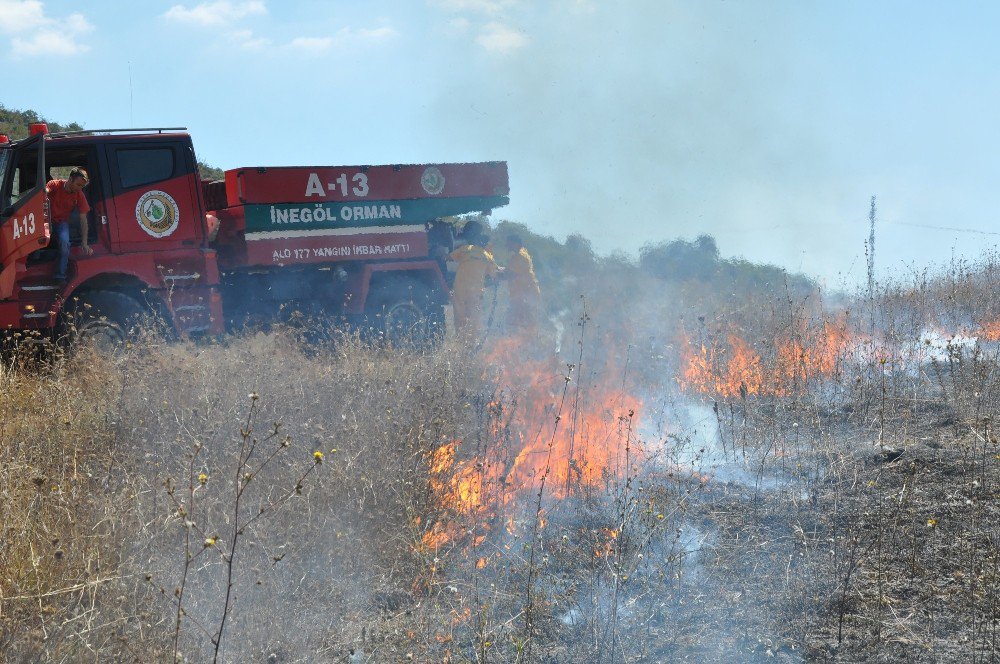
{"points": [[317, 214]]}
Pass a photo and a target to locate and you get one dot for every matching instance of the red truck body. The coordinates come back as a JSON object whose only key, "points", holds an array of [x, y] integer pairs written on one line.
{"points": [[265, 241]]}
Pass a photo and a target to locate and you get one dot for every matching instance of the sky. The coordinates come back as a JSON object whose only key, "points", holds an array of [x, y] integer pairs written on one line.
{"points": [[768, 125]]}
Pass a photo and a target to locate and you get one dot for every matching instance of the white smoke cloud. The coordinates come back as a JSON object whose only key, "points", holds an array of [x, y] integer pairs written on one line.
{"points": [[632, 126]]}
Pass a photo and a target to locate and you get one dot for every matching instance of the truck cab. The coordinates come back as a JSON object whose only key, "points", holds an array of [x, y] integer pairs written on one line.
{"points": [[146, 227]]}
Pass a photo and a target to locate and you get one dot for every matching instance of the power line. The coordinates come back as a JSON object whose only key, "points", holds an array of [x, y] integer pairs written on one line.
{"points": [[944, 228]]}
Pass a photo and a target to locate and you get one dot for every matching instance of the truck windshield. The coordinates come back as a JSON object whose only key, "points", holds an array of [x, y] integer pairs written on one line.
{"points": [[4, 194], [20, 176]]}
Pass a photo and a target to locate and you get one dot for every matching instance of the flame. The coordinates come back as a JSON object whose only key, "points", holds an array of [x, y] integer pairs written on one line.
{"points": [[606, 543], [435, 538], [744, 367], [458, 486], [737, 368], [570, 432], [707, 372], [990, 331], [697, 370], [546, 429], [810, 355]]}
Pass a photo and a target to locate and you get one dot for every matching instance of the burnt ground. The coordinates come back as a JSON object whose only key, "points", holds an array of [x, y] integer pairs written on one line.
{"points": [[889, 553], [920, 579], [817, 543]]}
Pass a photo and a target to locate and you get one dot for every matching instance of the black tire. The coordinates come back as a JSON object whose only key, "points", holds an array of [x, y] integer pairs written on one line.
{"points": [[405, 311], [106, 319]]}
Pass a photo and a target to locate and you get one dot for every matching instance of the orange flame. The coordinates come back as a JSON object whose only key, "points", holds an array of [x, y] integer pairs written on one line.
{"points": [[457, 485], [570, 432], [736, 368], [707, 372], [546, 427], [606, 546], [990, 331]]}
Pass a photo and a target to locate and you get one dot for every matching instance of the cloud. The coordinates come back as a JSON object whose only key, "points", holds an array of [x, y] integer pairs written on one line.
{"points": [[499, 38], [47, 42], [21, 15], [580, 6], [219, 13], [343, 37], [245, 39], [77, 24], [311, 44], [481, 6], [223, 14], [36, 34], [460, 24], [370, 34], [490, 32]]}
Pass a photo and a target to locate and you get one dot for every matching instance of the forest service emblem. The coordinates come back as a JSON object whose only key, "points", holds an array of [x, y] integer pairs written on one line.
{"points": [[432, 180], [157, 213]]}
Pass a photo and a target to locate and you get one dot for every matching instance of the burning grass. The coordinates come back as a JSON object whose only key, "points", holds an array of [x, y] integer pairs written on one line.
{"points": [[803, 485], [727, 365]]}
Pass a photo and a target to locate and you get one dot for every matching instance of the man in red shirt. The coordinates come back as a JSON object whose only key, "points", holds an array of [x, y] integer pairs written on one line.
{"points": [[66, 199]]}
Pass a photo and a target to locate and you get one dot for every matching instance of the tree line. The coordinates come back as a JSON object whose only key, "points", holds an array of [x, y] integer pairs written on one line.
{"points": [[16, 125]]}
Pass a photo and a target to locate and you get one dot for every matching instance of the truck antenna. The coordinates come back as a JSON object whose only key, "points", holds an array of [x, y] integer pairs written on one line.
{"points": [[131, 119]]}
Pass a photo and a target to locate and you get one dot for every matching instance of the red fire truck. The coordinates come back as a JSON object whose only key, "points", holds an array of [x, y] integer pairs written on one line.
{"points": [[332, 241]]}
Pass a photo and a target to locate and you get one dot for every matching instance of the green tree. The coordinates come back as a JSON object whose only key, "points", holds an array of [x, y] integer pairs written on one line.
{"points": [[16, 124], [679, 260]]}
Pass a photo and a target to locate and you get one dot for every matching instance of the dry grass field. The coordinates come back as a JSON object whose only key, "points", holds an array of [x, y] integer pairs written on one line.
{"points": [[654, 477]]}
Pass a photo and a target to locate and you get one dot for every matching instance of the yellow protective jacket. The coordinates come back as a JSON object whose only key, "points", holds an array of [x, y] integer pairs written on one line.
{"points": [[521, 276], [525, 296], [474, 265]]}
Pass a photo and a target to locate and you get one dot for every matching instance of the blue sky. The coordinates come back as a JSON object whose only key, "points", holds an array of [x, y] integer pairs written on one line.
{"points": [[766, 124]]}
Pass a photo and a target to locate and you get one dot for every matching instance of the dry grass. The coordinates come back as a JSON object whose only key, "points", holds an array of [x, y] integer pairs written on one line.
{"points": [[346, 536], [61, 524], [851, 519]]}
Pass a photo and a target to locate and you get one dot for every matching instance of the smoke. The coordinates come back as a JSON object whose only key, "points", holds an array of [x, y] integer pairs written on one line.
{"points": [[768, 126], [648, 122]]}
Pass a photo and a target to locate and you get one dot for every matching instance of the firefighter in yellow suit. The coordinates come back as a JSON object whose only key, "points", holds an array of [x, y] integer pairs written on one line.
{"points": [[475, 265], [525, 296]]}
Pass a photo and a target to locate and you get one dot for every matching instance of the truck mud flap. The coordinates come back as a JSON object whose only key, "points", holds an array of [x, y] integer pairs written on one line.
{"points": [[195, 311]]}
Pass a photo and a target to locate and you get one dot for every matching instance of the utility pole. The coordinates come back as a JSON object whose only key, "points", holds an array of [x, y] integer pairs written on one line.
{"points": [[871, 251], [871, 263]]}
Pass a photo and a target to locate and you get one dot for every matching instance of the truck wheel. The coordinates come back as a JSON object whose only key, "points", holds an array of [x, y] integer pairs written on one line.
{"points": [[104, 318], [406, 311]]}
